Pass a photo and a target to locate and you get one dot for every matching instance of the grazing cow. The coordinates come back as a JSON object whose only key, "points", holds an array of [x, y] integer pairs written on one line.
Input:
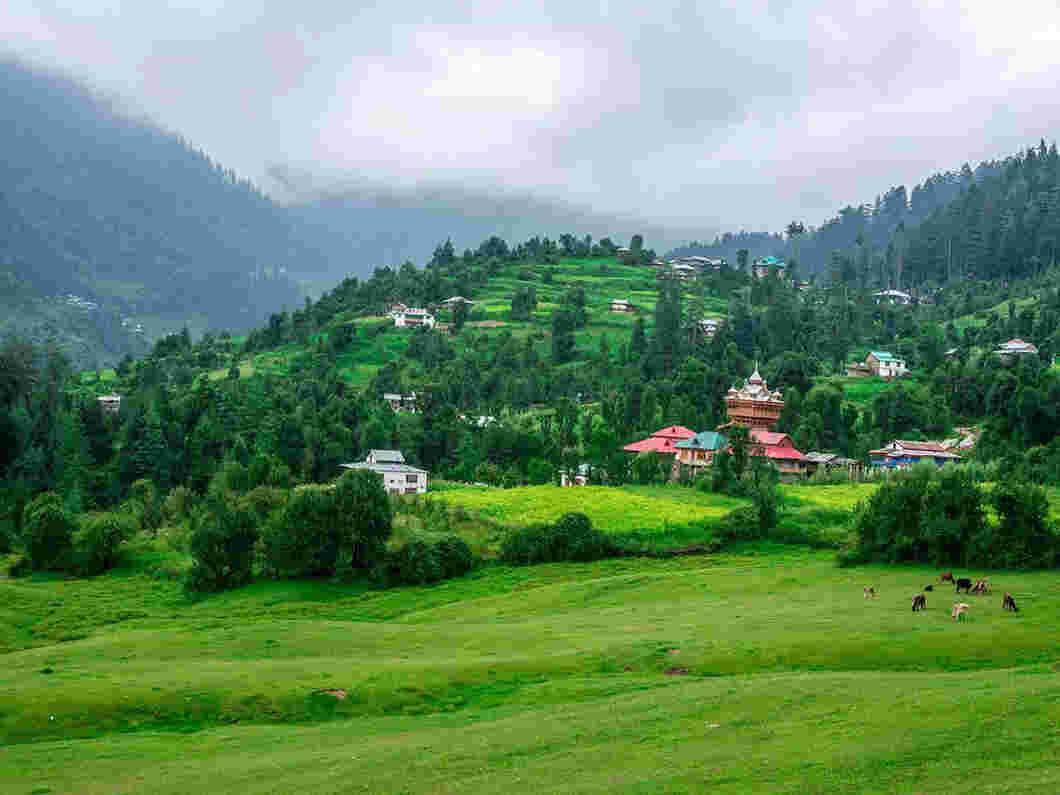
{"points": [[960, 610], [1008, 603], [919, 602], [963, 584], [870, 593], [981, 586], [946, 576], [929, 587]]}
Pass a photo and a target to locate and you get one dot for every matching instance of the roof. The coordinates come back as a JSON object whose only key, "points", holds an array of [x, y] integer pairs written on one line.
{"points": [[662, 441], [769, 438], [387, 456], [901, 447], [820, 458], [707, 440], [883, 356], [1018, 346], [770, 442], [389, 468]]}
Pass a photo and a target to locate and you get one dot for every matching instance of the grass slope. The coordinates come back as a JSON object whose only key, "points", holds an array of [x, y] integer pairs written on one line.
{"points": [[602, 279], [761, 672]]}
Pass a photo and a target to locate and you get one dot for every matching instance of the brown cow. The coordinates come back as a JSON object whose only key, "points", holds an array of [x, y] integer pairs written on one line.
{"points": [[870, 593], [946, 576], [1008, 603], [960, 610], [981, 586], [919, 602]]}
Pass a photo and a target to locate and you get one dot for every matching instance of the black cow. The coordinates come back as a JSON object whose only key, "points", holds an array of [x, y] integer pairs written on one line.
{"points": [[929, 587], [963, 584], [919, 602], [1008, 603]]}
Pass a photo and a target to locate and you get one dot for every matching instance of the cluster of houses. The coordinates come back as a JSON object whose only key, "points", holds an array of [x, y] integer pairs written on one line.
{"points": [[756, 407]]}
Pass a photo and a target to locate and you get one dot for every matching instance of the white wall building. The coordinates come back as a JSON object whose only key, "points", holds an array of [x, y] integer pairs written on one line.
{"points": [[412, 318], [398, 477]]}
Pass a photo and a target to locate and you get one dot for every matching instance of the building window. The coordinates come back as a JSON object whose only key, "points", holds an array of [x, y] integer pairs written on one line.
{"points": [[412, 478]]}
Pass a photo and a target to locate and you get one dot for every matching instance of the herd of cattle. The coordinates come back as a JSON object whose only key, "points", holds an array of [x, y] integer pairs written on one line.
{"points": [[960, 609]]}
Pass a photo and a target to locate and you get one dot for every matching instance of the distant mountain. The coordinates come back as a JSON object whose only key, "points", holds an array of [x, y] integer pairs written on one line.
{"points": [[132, 218], [109, 223], [382, 226]]}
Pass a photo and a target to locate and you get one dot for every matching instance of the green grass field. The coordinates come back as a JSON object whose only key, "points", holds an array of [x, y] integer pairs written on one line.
{"points": [[760, 672]]}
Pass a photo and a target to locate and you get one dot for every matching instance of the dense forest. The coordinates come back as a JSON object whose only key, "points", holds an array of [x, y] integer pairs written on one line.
{"points": [[876, 241]]}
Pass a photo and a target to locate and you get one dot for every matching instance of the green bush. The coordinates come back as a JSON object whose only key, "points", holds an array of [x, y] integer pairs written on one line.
{"points": [[146, 504], [571, 538], [328, 531], [97, 541], [7, 537], [1024, 537], [420, 562], [938, 517], [303, 539], [222, 547], [48, 533], [178, 504], [454, 556], [414, 563]]}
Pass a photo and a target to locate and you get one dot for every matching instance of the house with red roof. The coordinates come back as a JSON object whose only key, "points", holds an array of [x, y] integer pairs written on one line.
{"points": [[663, 441], [778, 449]]}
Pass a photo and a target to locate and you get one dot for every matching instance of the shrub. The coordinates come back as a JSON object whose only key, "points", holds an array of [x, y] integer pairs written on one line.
{"points": [[414, 563], [6, 537], [303, 538], [146, 504], [97, 541], [1023, 538], [571, 538], [329, 531], [222, 546], [178, 504], [48, 533], [454, 556], [739, 524]]}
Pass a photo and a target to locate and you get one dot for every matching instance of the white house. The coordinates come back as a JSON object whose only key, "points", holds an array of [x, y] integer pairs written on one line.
{"points": [[1014, 348], [885, 365], [450, 303], [709, 326], [111, 404], [398, 477], [400, 402], [412, 318], [892, 297]]}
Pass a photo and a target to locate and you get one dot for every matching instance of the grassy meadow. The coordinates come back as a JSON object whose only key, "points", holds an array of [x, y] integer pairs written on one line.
{"points": [[757, 672]]}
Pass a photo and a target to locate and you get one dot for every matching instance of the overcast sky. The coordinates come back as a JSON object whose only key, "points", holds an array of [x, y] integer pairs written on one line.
{"points": [[729, 114]]}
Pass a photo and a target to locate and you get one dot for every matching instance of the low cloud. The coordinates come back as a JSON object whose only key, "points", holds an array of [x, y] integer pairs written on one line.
{"points": [[723, 115]]}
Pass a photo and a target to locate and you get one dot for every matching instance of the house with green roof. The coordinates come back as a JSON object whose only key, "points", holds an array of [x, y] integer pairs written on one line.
{"points": [[763, 264], [885, 364], [699, 451]]}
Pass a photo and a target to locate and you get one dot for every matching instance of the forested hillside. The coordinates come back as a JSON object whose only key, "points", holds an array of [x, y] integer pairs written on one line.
{"points": [[131, 218], [868, 241]]}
